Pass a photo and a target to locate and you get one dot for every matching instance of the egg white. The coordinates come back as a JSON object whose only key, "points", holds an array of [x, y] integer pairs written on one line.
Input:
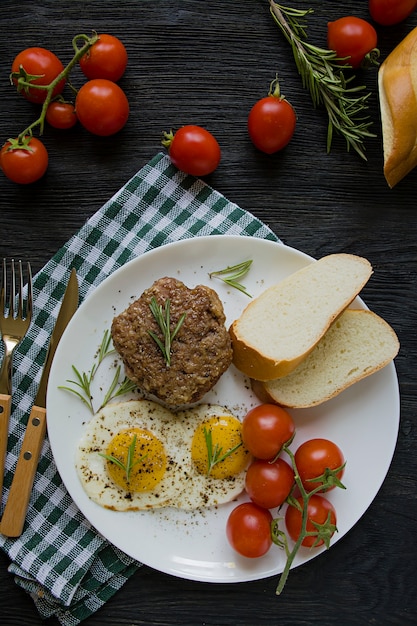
{"points": [[181, 487], [101, 429], [205, 491]]}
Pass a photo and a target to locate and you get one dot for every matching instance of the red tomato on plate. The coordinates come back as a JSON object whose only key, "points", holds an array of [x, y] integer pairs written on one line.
{"points": [[248, 530], [265, 429]]}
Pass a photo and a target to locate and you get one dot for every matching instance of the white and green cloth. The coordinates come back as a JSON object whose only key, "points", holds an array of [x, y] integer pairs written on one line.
{"points": [[60, 560]]}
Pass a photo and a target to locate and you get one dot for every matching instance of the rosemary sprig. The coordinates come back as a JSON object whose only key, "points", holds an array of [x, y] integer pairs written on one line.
{"points": [[236, 272], [162, 315], [129, 465], [83, 380], [215, 454], [321, 74]]}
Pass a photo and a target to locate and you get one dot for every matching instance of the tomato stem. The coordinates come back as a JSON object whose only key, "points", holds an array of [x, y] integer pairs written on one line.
{"points": [[323, 532], [78, 54]]}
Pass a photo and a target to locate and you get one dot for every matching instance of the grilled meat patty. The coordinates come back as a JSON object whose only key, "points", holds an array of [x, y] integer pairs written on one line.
{"points": [[200, 353]]}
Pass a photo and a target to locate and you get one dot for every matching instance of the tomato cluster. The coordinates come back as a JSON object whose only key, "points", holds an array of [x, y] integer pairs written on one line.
{"points": [[101, 106], [316, 467]]}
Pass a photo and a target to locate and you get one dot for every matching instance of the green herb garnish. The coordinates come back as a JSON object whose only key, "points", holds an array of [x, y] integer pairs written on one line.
{"points": [[236, 272], [215, 455], [84, 380], [321, 74], [162, 317], [129, 465]]}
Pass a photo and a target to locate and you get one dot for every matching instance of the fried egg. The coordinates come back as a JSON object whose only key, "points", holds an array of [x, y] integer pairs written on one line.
{"points": [[212, 433], [138, 455]]}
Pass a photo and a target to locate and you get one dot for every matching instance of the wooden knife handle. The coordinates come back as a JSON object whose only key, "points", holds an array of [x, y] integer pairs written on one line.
{"points": [[15, 510], [5, 408]]}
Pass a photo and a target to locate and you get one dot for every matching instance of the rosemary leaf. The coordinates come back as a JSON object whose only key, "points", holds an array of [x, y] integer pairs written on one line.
{"points": [[236, 272], [129, 465], [162, 317], [81, 386], [214, 455], [322, 76]]}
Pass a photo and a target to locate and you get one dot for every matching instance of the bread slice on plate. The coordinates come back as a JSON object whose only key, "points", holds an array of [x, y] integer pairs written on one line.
{"points": [[279, 328], [358, 344]]}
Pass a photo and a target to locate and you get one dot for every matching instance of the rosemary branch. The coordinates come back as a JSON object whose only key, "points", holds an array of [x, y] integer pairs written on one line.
{"points": [[129, 465], [82, 385], [236, 272], [321, 74], [162, 317], [215, 454]]}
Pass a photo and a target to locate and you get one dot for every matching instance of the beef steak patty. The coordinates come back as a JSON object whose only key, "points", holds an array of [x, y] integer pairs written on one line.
{"points": [[200, 353]]}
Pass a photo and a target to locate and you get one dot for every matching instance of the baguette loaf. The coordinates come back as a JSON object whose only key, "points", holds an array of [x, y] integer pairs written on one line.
{"points": [[397, 86], [356, 345], [279, 328]]}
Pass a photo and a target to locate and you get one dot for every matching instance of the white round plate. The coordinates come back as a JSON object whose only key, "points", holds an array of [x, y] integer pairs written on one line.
{"points": [[193, 545]]}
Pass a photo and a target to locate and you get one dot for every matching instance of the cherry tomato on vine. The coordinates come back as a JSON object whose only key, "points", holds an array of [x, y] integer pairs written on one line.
{"points": [[268, 484], [41, 63], [194, 150], [107, 58], [389, 12], [61, 115], [314, 457], [265, 429], [271, 121], [26, 163], [248, 530], [102, 107], [319, 511], [352, 38]]}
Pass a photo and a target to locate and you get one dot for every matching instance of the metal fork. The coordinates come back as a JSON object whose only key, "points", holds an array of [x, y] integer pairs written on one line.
{"points": [[13, 327]]}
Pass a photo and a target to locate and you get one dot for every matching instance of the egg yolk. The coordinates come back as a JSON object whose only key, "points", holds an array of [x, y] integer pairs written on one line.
{"points": [[213, 439], [147, 463]]}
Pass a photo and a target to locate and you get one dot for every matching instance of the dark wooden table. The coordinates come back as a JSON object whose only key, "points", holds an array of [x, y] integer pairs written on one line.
{"points": [[207, 63]]}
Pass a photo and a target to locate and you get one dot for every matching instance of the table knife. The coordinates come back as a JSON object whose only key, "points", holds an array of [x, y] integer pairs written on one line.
{"points": [[14, 515]]}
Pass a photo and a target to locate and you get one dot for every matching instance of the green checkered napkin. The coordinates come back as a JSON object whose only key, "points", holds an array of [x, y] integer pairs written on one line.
{"points": [[60, 560]]}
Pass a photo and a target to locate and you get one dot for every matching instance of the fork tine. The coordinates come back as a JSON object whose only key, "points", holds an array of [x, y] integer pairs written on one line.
{"points": [[12, 294], [20, 304]]}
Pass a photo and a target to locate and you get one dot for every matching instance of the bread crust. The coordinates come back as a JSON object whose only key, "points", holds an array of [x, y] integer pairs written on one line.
{"points": [[263, 363], [397, 85]]}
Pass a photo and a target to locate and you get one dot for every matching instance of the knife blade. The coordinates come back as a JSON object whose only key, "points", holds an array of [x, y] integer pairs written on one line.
{"points": [[14, 515]]}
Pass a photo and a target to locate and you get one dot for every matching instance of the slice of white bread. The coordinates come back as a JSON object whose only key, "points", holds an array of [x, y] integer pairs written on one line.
{"points": [[397, 86], [356, 345], [279, 328]]}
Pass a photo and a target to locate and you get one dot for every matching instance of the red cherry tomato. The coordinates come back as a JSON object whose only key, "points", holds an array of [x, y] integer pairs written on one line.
{"points": [[314, 457], [107, 58], [194, 150], [271, 123], [248, 530], [268, 484], [102, 107], [351, 38], [265, 429], [388, 12], [25, 164], [319, 510], [37, 62], [61, 115]]}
